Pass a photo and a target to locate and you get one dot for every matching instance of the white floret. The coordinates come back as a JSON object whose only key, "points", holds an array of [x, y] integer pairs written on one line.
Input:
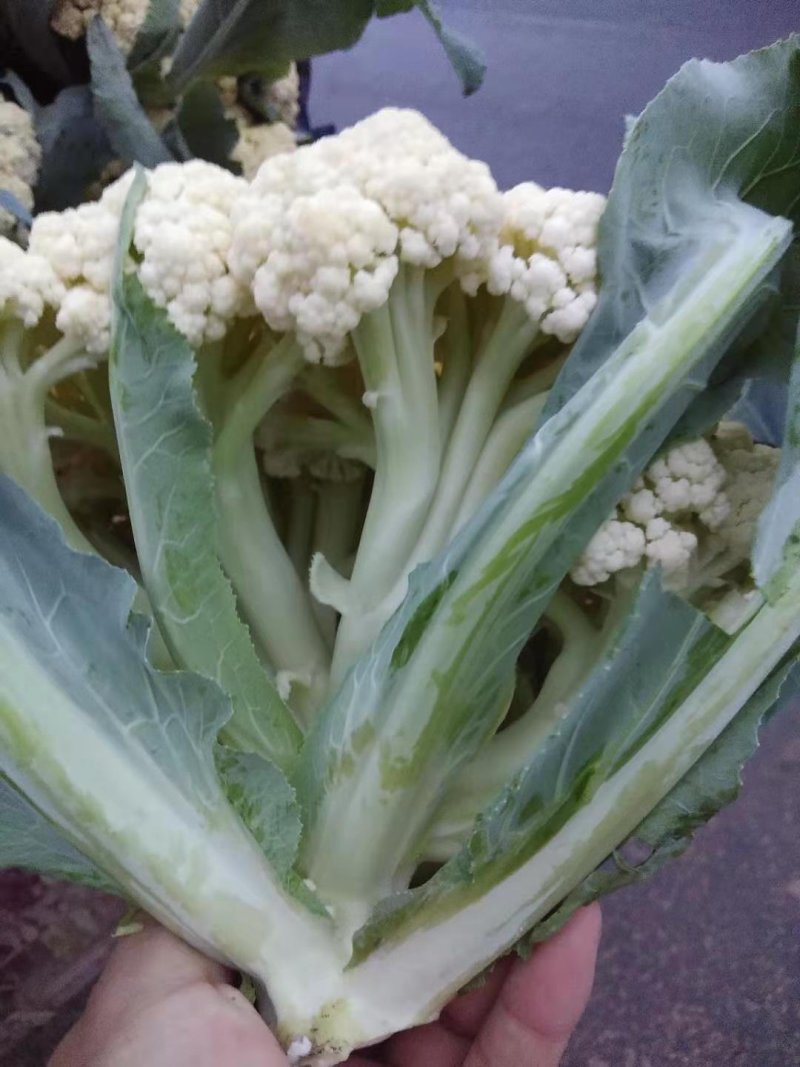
{"points": [[751, 470], [182, 232], [80, 243], [259, 142], [124, 18], [28, 284], [20, 156], [616, 546], [443, 203], [690, 478], [330, 261], [671, 548], [546, 259]]}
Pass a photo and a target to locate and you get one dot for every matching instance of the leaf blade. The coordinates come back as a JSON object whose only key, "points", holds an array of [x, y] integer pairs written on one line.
{"points": [[165, 447]]}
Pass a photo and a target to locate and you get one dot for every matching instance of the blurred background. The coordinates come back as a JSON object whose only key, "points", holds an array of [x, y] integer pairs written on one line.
{"points": [[701, 967]]}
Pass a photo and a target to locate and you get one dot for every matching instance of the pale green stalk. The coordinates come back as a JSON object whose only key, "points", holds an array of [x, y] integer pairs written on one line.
{"points": [[408, 979], [270, 591], [394, 346], [401, 773]]}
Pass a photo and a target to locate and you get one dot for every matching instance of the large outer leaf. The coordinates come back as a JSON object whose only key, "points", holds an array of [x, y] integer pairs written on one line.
{"points": [[120, 757], [239, 36], [713, 782], [116, 104], [681, 279], [716, 131], [165, 448], [30, 841], [635, 735]]}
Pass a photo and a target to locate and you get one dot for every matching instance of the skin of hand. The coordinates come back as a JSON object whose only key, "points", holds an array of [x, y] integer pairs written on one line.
{"points": [[161, 1003]]}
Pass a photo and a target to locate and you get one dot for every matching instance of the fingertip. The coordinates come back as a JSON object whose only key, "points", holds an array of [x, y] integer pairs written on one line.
{"points": [[549, 991]]}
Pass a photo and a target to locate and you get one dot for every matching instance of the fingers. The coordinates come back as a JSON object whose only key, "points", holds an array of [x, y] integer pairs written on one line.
{"points": [[147, 967], [541, 1000], [162, 1004], [445, 1043]]}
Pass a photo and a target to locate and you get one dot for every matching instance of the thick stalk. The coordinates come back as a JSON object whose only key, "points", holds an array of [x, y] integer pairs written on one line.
{"points": [[274, 600], [190, 864], [430, 707], [25, 451], [408, 980], [501, 354], [395, 351], [509, 434], [509, 751]]}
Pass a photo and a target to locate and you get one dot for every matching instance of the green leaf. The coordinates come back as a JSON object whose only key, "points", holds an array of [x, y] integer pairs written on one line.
{"points": [[30, 841], [636, 733], [240, 36], [204, 129], [165, 447], [267, 805], [684, 269], [157, 34], [714, 782], [670, 186], [465, 58], [71, 656], [75, 149], [118, 756], [116, 105], [778, 537]]}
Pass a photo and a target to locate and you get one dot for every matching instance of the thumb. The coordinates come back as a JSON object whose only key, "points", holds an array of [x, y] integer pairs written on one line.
{"points": [[162, 1003]]}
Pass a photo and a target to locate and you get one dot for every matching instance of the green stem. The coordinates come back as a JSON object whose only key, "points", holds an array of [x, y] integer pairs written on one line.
{"points": [[456, 361], [508, 435], [274, 600], [301, 524], [337, 523], [323, 385], [508, 751], [449, 659], [25, 449], [395, 350], [84, 429], [504, 350]]}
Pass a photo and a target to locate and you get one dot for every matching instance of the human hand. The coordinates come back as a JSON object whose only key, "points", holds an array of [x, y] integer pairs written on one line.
{"points": [[161, 1003]]}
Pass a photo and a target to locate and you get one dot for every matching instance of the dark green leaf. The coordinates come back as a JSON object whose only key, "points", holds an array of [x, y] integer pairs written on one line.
{"points": [[240, 36], [713, 782], [75, 149], [204, 129], [129, 131], [465, 58], [61, 60], [158, 33]]}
